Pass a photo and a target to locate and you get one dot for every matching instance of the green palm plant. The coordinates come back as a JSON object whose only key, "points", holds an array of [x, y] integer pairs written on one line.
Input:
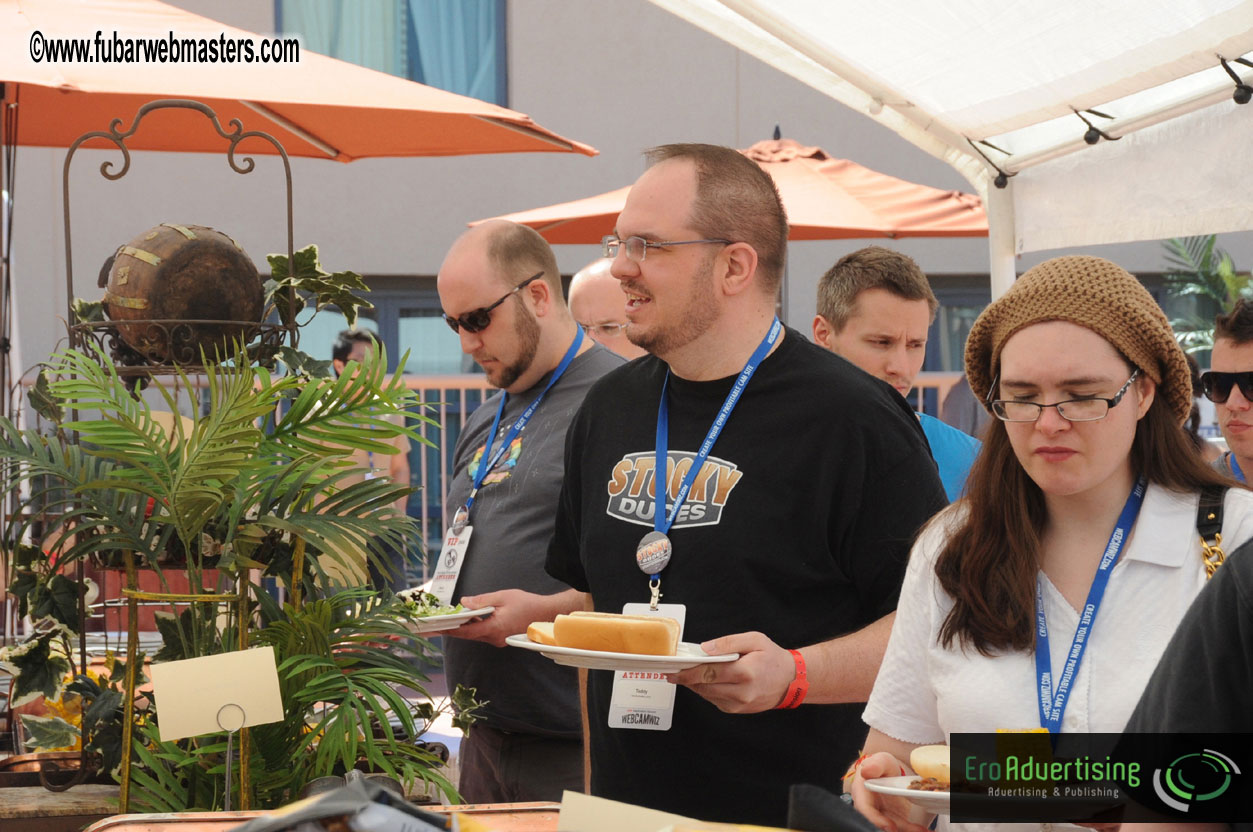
{"points": [[1198, 269], [260, 481]]}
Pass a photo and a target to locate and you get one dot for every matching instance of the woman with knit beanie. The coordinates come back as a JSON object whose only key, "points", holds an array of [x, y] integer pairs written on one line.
{"points": [[1085, 494]]}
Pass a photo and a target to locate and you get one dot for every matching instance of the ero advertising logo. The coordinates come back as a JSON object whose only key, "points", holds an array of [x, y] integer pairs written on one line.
{"points": [[1194, 778], [631, 484]]}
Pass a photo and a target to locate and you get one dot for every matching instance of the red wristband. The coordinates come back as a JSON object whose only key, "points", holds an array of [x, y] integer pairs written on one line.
{"points": [[797, 690]]}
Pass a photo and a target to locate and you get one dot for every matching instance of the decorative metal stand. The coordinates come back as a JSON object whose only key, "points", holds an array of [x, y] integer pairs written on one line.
{"points": [[182, 356]]}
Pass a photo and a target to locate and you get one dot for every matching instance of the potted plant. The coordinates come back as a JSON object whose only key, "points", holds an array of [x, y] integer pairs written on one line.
{"points": [[255, 485]]}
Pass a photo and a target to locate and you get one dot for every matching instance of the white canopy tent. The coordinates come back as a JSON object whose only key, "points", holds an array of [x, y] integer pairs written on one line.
{"points": [[1006, 86]]}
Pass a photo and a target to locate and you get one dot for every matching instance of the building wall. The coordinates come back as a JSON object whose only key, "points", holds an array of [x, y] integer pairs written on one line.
{"points": [[621, 76]]}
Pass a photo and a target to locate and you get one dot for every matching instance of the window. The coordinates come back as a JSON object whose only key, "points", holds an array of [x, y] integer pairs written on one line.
{"points": [[433, 348], [456, 46]]}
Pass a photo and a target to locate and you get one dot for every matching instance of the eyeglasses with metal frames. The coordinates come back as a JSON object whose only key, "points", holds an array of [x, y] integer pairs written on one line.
{"points": [[605, 330], [1217, 386], [477, 320], [637, 247], [1072, 410]]}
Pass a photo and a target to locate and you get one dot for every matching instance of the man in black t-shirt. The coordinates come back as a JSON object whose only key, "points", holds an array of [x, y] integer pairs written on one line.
{"points": [[791, 544]]}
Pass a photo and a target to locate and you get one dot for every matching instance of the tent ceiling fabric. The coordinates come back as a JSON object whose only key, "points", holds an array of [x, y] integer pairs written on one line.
{"points": [[1012, 73]]}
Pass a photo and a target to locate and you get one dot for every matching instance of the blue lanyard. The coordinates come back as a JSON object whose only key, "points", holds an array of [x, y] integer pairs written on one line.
{"points": [[488, 461], [1235, 467], [1053, 705], [662, 521]]}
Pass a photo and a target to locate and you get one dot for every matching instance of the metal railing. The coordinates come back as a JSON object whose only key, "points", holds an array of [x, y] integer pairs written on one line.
{"points": [[450, 399]]}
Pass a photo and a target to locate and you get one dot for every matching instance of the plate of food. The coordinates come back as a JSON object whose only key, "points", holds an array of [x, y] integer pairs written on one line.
{"points": [[609, 641], [929, 793], [934, 801], [433, 615], [928, 789]]}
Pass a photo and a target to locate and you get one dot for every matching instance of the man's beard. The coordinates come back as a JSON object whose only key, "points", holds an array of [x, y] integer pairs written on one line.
{"points": [[526, 328], [697, 317]]}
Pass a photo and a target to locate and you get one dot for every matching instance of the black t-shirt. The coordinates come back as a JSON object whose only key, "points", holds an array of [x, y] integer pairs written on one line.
{"points": [[798, 526], [1202, 683]]}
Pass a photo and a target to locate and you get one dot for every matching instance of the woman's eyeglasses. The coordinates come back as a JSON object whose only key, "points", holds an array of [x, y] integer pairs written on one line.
{"points": [[477, 320], [1217, 386], [1072, 410]]}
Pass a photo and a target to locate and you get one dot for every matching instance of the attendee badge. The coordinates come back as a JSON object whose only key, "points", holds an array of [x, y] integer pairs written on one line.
{"points": [[643, 699], [451, 559]]}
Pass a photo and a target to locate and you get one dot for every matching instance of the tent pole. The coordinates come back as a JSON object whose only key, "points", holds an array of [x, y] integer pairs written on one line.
{"points": [[999, 203]]}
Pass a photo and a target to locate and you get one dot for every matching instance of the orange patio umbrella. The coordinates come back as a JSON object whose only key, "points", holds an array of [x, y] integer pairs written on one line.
{"points": [[317, 106], [826, 199]]}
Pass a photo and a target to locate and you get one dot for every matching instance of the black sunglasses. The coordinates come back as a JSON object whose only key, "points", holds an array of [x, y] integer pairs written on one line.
{"points": [[477, 320], [1217, 386]]}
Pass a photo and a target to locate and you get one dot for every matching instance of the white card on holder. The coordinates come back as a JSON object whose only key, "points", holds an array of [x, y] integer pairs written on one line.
{"points": [[643, 699], [448, 568], [210, 694]]}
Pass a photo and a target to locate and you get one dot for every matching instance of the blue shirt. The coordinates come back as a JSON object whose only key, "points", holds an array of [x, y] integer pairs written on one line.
{"points": [[954, 452], [1228, 465]]}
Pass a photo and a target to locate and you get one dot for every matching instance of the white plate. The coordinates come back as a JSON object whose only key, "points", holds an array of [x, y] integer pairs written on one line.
{"points": [[937, 803], [438, 623], [689, 655], [934, 803]]}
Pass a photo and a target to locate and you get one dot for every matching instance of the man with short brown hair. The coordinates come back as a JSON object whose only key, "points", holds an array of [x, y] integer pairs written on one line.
{"points": [[787, 483], [874, 309]]}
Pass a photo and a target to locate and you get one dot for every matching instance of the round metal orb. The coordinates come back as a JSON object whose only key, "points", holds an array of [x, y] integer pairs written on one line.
{"points": [[190, 274]]}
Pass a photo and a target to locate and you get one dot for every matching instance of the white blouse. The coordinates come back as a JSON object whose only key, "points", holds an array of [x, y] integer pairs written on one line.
{"points": [[924, 691]]}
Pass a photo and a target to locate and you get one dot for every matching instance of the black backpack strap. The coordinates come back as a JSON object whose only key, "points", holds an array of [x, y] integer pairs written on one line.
{"points": [[1209, 525]]}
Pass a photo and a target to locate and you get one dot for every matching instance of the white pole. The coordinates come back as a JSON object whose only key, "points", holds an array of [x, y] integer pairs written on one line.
{"points": [[1002, 239]]}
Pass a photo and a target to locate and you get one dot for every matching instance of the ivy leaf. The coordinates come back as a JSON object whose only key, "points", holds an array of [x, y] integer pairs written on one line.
{"points": [[58, 601], [24, 585], [49, 733], [464, 705], [37, 671], [172, 648], [178, 634], [305, 274], [106, 707], [87, 311], [43, 401], [117, 670], [302, 363]]}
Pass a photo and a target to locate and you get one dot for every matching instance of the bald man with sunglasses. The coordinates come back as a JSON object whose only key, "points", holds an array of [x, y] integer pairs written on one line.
{"points": [[1229, 385], [501, 294]]}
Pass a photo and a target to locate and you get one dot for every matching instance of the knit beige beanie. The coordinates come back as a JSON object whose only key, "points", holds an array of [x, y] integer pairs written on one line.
{"points": [[1092, 293]]}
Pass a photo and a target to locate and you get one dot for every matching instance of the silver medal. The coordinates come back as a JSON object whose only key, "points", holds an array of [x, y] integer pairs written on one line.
{"points": [[459, 520], [653, 553]]}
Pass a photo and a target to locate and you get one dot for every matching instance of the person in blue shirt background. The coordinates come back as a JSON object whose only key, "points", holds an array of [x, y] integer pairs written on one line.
{"points": [[874, 309]]}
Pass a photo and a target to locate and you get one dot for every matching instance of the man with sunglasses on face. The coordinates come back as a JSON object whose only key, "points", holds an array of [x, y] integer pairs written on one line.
{"points": [[747, 481], [500, 290], [1229, 385]]}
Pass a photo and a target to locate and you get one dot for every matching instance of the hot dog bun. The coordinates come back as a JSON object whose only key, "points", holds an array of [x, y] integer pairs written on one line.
{"points": [[931, 761], [616, 633], [541, 632]]}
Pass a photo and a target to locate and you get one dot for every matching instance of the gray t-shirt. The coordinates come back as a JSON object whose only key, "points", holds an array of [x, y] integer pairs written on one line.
{"points": [[513, 517]]}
